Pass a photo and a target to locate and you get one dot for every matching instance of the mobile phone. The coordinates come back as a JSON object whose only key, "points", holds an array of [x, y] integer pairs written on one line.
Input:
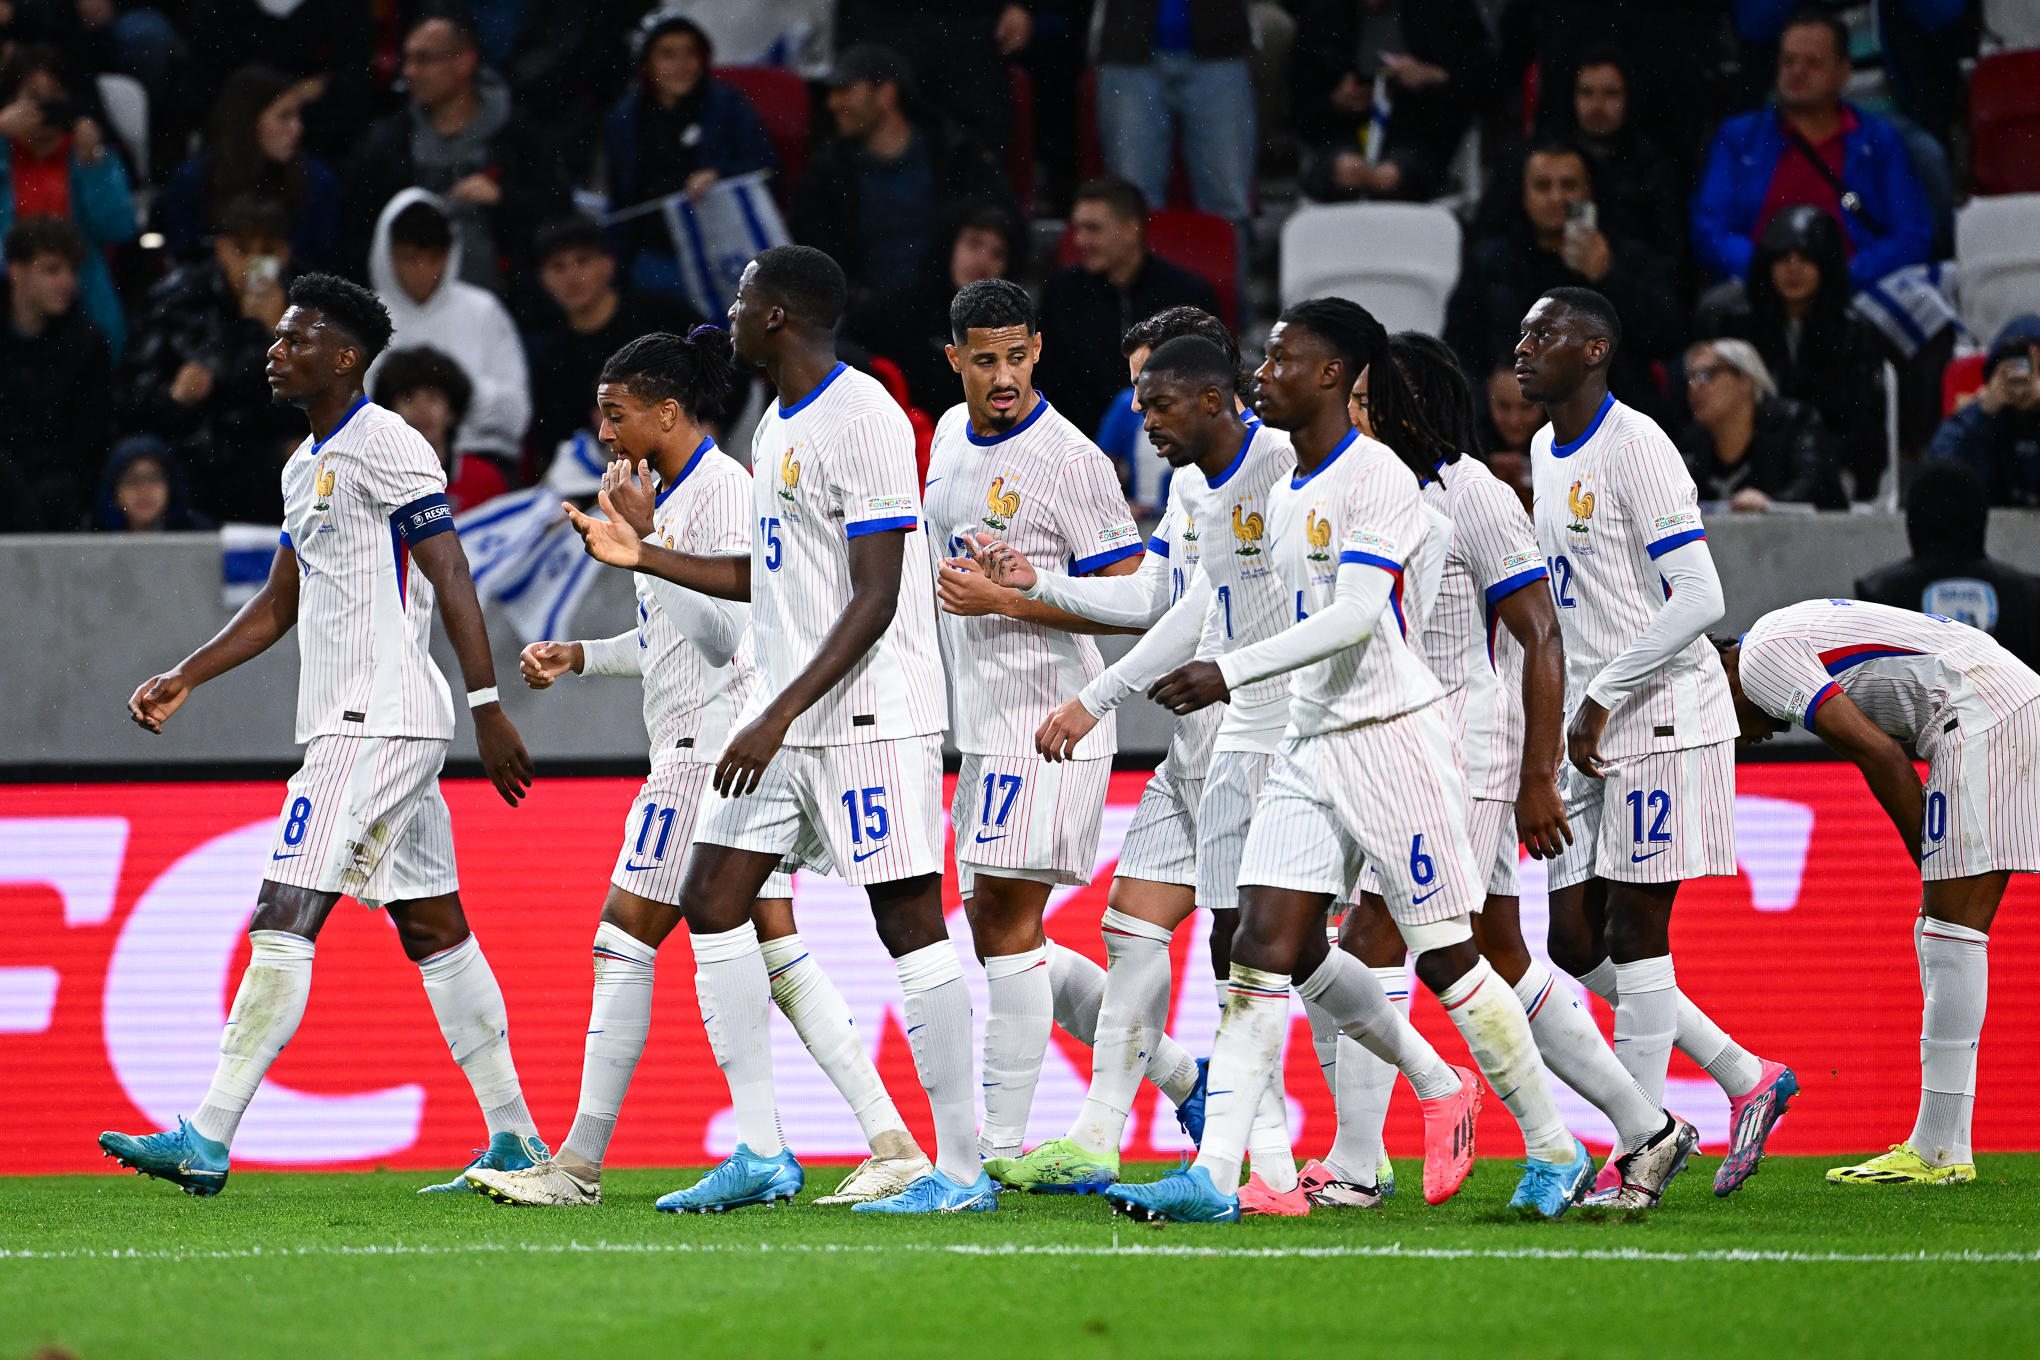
{"points": [[263, 270], [1583, 214]]}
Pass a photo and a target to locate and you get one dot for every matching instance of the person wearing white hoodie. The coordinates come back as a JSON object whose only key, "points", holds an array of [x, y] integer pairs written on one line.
{"points": [[414, 265]]}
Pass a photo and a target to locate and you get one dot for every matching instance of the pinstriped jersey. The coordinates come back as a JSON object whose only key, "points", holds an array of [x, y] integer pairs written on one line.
{"points": [[1046, 490], [1361, 505], [838, 464], [1608, 505], [351, 504], [1915, 676], [1170, 564], [1493, 554]]}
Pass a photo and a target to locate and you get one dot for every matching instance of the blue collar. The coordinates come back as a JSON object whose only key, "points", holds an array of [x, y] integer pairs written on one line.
{"points": [[986, 441], [819, 388], [704, 446], [1234, 466], [1298, 483], [319, 444], [1568, 450]]}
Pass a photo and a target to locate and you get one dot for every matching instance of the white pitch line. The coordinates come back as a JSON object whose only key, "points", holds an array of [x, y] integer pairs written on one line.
{"points": [[1392, 1251]]}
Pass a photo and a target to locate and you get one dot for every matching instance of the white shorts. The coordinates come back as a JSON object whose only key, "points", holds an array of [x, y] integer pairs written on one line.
{"points": [[1029, 818], [660, 827], [1660, 817], [1389, 792], [1983, 801], [1491, 831], [1161, 841], [873, 810], [363, 817], [1229, 797]]}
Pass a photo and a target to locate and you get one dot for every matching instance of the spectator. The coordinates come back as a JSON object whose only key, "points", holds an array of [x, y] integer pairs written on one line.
{"points": [[1797, 315], [1811, 147], [1173, 69], [53, 375], [1512, 421], [1998, 433], [1385, 89], [1553, 241], [197, 376], [1639, 190], [254, 145], [1948, 573], [142, 491], [1747, 445], [460, 138], [678, 129], [414, 266], [592, 319], [430, 391], [957, 52], [54, 162], [1086, 308], [337, 44]]}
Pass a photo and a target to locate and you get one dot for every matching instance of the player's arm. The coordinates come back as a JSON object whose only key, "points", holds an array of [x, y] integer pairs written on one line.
{"points": [[1887, 769], [1693, 605], [253, 630], [1128, 600], [1528, 614], [963, 588], [542, 663], [438, 555], [614, 542], [1170, 643]]}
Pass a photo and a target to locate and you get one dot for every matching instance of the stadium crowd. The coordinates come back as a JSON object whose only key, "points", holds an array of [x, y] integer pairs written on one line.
{"points": [[1749, 182]]}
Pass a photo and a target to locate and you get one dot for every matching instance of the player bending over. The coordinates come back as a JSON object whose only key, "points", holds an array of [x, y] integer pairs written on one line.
{"points": [[1870, 681], [1651, 729], [840, 757], [364, 502]]}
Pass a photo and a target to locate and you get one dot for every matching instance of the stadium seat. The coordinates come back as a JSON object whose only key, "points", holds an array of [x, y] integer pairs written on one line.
{"points": [[127, 108], [2004, 123], [1020, 161], [1201, 242], [1962, 376], [781, 98], [1997, 256], [1398, 260]]}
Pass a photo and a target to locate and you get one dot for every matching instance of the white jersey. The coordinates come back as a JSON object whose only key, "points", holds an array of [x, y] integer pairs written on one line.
{"points": [[1046, 490], [1479, 663], [837, 464], [353, 503], [1361, 505], [1174, 558], [1916, 676], [1608, 505]]}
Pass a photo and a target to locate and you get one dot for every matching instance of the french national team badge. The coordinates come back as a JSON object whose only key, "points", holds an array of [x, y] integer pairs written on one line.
{"points": [[1319, 532], [789, 478], [1247, 532], [1580, 500], [1000, 505], [323, 486]]}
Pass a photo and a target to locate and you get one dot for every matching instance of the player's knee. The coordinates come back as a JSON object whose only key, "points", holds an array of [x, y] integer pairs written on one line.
{"points": [[291, 909], [1225, 923], [1439, 968]]}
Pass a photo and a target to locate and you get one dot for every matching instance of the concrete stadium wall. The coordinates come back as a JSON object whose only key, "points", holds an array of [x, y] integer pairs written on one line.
{"points": [[87, 618]]}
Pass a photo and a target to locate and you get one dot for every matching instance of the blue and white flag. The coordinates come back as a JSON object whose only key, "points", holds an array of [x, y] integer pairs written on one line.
{"points": [[525, 556], [1912, 305], [246, 550], [717, 234]]}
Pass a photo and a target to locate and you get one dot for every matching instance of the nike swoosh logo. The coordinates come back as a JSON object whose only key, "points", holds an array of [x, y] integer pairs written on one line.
{"points": [[1419, 901], [931, 481], [1929, 854], [1635, 858], [638, 868], [291, 856], [983, 839], [859, 859]]}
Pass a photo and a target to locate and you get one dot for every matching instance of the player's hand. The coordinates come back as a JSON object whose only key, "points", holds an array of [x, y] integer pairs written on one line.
{"points": [[627, 495], [1060, 731], [607, 540], [965, 590], [1583, 739], [749, 752], [503, 755], [1189, 687], [544, 662], [1002, 563], [1541, 823], [156, 699]]}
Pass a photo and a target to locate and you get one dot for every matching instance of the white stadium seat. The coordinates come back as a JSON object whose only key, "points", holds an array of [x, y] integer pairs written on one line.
{"points": [[127, 108], [1398, 260], [1997, 254]]}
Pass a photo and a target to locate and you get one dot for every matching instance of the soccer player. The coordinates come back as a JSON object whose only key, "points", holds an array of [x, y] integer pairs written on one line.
{"points": [[1007, 464], [1870, 681], [365, 550], [1366, 769], [1492, 640], [842, 754], [1651, 729], [693, 654]]}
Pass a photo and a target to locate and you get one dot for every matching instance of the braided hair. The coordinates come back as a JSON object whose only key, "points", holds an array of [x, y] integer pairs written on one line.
{"points": [[1441, 389], [695, 370], [1360, 342]]}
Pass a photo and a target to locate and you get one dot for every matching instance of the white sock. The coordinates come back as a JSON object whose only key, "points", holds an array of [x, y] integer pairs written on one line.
{"points": [[1130, 1019], [1578, 1056], [1697, 1036], [1646, 1021], [820, 1016], [1365, 1086], [1270, 1154], [736, 1007], [1021, 1011], [1079, 987], [938, 1026], [476, 1025], [267, 1009], [1955, 962], [619, 1019], [1244, 1058], [1491, 1021], [1600, 980], [1354, 996]]}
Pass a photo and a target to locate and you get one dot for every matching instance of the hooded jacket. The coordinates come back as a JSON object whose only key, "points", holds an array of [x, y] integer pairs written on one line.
{"points": [[468, 323]]}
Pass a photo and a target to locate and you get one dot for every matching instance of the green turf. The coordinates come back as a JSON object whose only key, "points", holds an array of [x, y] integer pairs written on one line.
{"points": [[311, 1266]]}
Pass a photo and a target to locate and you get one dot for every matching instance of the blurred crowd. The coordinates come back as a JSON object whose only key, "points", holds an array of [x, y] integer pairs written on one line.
{"points": [[1738, 176]]}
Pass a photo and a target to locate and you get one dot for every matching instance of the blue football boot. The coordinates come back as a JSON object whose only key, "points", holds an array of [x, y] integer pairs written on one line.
{"points": [[1548, 1189], [743, 1178], [1185, 1195], [935, 1193], [505, 1152], [1190, 1114], [182, 1156]]}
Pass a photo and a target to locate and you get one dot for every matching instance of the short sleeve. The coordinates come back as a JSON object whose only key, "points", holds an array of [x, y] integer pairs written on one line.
{"points": [[721, 521], [872, 476], [399, 475], [1653, 484], [1499, 541], [1384, 520], [1783, 676], [1091, 511]]}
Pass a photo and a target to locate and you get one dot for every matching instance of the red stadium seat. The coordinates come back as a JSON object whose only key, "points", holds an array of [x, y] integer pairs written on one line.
{"points": [[1203, 243], [781, 98], [2004, 123], [1021, 159], [895, 383], [1960, 378]]}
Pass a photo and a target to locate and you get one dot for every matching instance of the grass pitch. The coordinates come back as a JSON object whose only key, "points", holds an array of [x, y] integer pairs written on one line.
{"points": [[358, 1265]]}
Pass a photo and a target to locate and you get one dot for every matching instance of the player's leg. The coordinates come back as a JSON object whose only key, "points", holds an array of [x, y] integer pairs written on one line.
{"points": [[1005, 919], [1356, 1172], [1077, 985]]}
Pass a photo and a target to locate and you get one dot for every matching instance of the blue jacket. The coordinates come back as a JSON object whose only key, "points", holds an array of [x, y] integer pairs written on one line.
{"points": [[103, 211], [733, 141], [2002, 449], [184, 215], [1739, 168]]}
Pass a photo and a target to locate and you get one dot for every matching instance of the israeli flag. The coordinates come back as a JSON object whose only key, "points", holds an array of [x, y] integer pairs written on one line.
{"points": [[1912, 305], [717, 234], [524, 555], [246, 550]]}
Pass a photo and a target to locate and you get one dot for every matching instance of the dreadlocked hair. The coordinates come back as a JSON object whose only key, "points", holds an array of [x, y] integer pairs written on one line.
{"points": [[694, 370], [1441, 389], [1360, 342]]}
